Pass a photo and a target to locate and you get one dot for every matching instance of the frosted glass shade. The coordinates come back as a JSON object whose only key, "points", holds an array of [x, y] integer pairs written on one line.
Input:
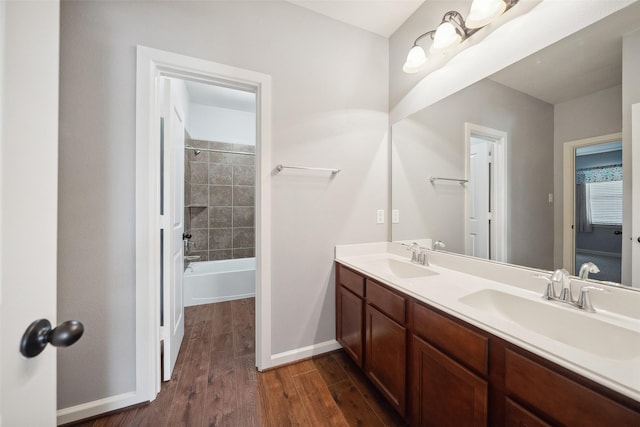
{"points": [[484, 11], [446, 37], [415, 60]]}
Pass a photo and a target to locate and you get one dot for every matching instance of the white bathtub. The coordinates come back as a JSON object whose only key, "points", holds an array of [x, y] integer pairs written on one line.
{"points": [[214, 281]]}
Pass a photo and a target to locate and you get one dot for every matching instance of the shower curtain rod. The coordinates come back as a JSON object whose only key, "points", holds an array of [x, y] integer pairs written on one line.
{"points": [[213, 150]]}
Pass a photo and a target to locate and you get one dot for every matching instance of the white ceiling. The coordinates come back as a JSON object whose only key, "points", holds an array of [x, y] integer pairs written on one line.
{"points": [[583, 63], [381, 17]]}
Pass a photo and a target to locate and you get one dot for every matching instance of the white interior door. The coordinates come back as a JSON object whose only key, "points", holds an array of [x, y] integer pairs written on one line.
{"points": [[478, 187], [29, 55], [173, 227]]}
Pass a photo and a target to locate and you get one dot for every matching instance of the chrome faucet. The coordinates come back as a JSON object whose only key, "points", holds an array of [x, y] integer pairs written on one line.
{"points": [[418, 254], [438, 244], [586, 268], [422, 257], [188, 243], [415, 251], [562, 276]]}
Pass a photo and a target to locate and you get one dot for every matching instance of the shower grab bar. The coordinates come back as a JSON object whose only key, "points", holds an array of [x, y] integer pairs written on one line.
{"points": [[333, 171], [437, 178], [214, 150]]}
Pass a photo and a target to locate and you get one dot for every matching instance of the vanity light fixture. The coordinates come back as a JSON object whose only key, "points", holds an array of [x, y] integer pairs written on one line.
{"points": [[453, 30]]}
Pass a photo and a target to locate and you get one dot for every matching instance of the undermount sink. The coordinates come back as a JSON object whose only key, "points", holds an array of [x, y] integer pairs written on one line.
{"points": [[400, 269], [576, 329]]}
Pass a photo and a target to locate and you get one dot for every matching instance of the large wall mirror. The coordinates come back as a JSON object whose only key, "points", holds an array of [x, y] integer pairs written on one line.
{"points": [[494, 170]]}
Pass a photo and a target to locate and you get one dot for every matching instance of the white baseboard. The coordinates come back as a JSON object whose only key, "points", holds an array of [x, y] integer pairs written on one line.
{"points": [[97, 407], [302, 353], [600, 253], [210, 300]]}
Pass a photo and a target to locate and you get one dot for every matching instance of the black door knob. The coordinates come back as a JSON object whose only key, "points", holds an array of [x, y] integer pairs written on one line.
{"points": [[39, 334]]}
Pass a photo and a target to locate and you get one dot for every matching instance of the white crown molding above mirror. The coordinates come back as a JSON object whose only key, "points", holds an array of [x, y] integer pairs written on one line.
{"points": [[546, 23]]}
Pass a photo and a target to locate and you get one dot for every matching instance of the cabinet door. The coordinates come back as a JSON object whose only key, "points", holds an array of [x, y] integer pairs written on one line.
{"points": [[444, 392], [349, 323], [517, 416], [385, 359]]}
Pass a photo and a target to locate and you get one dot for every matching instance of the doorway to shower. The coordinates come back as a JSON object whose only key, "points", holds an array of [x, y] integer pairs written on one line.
{"points": [[154, 192], [207, 164]]}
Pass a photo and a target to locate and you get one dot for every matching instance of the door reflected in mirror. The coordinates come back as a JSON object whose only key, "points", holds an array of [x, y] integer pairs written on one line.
{"points": [[598, 208]]}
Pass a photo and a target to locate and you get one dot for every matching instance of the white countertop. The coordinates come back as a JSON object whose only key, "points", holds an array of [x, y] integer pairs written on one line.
{"points": [[459, 276]]}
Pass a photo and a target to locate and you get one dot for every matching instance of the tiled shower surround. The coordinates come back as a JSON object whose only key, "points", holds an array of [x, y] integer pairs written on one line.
{"points": [[220, 201]]}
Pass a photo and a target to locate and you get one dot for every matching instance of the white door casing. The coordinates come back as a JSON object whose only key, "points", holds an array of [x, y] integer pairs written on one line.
{"points": [[635, 196], [151, 64], [499, 202], [29, 58], [478, 189], [569, 198], [172, 225]]}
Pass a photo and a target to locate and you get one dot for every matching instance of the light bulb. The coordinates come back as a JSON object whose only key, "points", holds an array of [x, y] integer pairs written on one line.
{"points": [[415, 60], [484, 11], [446, 37]]}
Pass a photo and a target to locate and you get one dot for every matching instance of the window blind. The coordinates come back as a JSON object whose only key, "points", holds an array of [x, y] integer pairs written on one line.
{"points": [[605, 199]]}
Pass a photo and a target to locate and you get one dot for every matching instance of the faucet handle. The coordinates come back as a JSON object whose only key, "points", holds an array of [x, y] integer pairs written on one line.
{"points": [[423, 257], [550, 291], [414, 248], [562, 276], [438, 244], [584, 300]]}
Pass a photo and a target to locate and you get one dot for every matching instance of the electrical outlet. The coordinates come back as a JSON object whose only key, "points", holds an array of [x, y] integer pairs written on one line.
{"points": [[395, 216], [550, 197], [380, 216]]}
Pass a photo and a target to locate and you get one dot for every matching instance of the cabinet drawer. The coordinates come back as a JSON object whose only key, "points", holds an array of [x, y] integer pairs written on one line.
{"points": [[351, 280], [560, 398], [517, 416], [467, 346], [388, 302]]}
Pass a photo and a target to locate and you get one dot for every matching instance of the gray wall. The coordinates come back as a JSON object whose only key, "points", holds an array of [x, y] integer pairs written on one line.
{"points": [[431, 142], [330, 104], [597, 114]]}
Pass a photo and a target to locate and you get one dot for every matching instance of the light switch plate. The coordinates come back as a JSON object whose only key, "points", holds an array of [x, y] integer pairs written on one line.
{"points": [[380, 216], [395, 216]]}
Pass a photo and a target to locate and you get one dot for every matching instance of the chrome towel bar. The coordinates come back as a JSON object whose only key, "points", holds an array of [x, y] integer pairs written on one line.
{"points": [[333, 171], [437, 178]]}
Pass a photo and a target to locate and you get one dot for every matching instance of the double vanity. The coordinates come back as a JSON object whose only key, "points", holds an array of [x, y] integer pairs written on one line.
{"points": [[466, 342]]}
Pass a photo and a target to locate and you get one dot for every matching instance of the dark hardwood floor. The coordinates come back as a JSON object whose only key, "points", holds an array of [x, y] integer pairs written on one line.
{"points": [[215, 383]]}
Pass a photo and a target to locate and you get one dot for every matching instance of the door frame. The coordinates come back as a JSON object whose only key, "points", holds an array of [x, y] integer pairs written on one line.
{"points": [[569, 197], [499, 233], [634, 255], [152, 63]]}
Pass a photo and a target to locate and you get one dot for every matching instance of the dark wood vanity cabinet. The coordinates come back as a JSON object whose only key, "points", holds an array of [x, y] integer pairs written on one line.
{"points": [[449, 370], [386, 343], [444, 392], [562, 400], [438, 370], [350, 312], [370, 326]]}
